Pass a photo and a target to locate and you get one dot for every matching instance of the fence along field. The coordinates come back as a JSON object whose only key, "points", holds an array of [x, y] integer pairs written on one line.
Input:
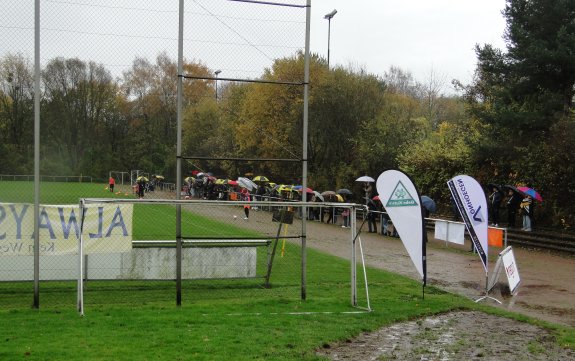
{"points": [[240, 267]]}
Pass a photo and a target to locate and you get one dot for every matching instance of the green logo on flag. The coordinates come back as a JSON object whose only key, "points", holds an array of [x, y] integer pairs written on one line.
{"points": [[400, 197]]}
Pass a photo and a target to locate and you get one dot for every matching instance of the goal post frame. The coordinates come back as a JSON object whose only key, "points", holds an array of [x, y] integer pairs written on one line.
{"points": [[355, 240]]}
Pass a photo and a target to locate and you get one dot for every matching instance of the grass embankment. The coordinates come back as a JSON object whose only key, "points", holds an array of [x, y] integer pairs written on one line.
{"points": [[236, 320], [261, 326]]}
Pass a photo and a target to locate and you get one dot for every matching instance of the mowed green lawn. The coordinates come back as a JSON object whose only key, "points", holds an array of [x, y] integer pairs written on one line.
{"points": [[231, 320], [53, 192], [147, 223]]}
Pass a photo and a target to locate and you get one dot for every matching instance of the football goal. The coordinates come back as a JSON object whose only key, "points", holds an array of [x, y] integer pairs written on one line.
{"points": [[224, 250]]}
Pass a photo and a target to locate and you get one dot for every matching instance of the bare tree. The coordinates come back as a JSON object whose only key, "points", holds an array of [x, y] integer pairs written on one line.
{"points": [[432, 93]]}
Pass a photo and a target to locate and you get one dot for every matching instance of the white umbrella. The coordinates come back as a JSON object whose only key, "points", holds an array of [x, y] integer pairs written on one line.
{"points": [[365, 178], [247, 183], [318, 195]]}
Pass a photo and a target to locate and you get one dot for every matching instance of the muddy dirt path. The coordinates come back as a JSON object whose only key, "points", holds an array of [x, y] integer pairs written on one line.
{"points": [[452, 336], [546, 292], [547, 289]]}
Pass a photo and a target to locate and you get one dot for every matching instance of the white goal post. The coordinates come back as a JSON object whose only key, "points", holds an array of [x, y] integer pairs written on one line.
{"points": [[219, 235], [120, 176]]}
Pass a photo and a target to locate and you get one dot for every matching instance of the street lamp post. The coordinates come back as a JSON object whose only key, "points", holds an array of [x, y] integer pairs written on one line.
{"points": [[217, 72], [328, 17]]}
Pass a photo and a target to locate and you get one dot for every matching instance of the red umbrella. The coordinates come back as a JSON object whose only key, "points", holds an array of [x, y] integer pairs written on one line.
{"points": [[300, 189], [531, 192]]}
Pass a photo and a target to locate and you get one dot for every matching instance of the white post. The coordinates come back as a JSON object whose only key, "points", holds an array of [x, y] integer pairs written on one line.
{"points": [[81, 262]]}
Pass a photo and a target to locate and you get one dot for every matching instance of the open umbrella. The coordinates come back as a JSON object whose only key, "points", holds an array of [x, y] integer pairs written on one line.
{"points": [[344, 191], [429, 204], [142, 178], [376, 198], [531, 192], [318, 195], [285, 188], [516, 195], [513, 188], [498, 187], [299, 189], [329, 196], [339, 198], [365, 178], [247, 183], [260, 178], [232, 182]]}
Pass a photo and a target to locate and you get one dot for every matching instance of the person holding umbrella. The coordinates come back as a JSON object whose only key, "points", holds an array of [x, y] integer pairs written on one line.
{"points": [[245, 194], [142, 181], [513, 201], [371, 216], [495, 199], [527, 212]]}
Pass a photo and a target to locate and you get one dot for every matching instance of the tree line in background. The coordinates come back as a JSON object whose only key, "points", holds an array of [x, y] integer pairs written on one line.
{"points": [[515, 123]]}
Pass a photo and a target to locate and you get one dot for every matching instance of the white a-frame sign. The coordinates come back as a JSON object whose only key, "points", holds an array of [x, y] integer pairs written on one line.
{"points": [[506, 261]]}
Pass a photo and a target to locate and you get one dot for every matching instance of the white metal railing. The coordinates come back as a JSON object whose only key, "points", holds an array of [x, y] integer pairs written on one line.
{"points": [[46, 178]]}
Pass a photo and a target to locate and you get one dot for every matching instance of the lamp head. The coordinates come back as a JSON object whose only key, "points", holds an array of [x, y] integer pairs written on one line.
{"points": [[330, 15], [217, 72]]}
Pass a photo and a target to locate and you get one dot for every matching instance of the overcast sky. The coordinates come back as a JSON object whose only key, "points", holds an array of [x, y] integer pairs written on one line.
{"points": [[415, 35], [241, 39]]}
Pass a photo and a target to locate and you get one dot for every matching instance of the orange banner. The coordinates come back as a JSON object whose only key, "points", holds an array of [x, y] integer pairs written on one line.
{"points": [[495, 237]]}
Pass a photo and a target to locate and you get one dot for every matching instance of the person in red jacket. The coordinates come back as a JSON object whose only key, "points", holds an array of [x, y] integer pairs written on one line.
{"points": [[112, 182], [246, 197]]}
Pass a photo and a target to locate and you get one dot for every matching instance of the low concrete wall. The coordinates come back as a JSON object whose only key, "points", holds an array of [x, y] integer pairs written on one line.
{"points": [[140, 263]]}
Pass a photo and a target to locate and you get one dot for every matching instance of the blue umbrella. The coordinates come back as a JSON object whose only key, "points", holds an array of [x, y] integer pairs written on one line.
{"points": [[429, 204], [531, 192]]}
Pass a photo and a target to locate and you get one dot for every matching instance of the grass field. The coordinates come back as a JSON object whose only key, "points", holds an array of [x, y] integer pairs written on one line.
{"points": [[231, 320]]}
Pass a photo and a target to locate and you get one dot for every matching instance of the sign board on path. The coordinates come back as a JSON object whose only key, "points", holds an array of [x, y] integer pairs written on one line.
{"points": [[506, 261]]}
